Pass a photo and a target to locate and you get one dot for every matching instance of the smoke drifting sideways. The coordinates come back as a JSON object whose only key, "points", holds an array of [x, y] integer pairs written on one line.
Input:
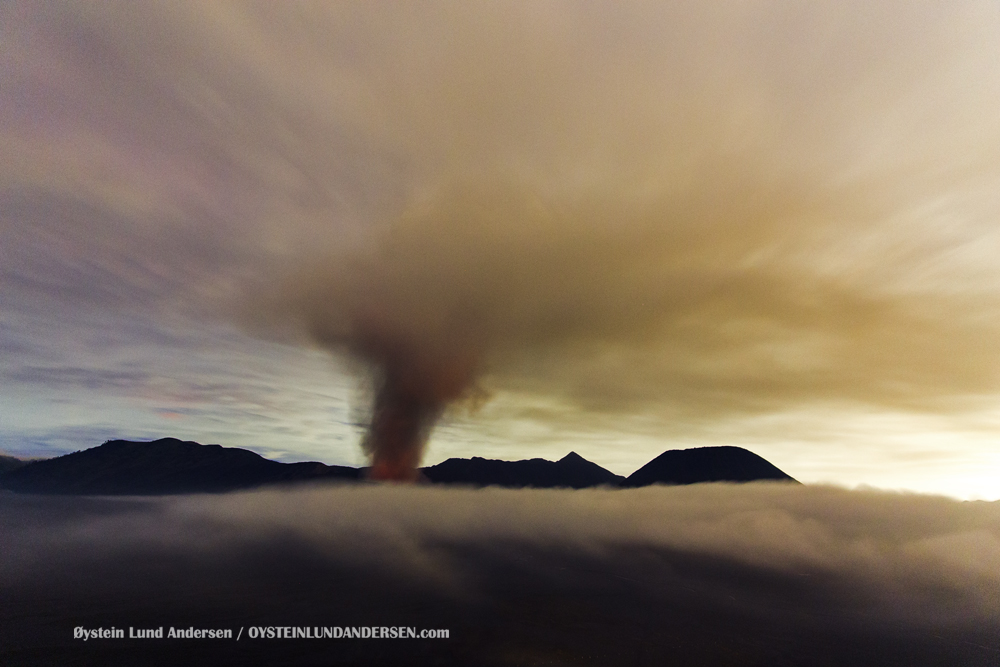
{"points": [[707, 574], [683, 226], [691, 211]]}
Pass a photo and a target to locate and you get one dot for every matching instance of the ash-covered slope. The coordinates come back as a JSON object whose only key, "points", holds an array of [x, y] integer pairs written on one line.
{"points": [[706, 464], [165, 466]]}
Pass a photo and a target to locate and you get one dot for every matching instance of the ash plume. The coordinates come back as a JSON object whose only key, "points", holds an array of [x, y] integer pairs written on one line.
{"points": [[680, 227], [413, 389], [691, 212]]}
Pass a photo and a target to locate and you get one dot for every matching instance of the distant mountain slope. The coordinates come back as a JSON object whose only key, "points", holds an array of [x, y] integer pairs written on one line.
{"points": [[8, 463], [572, 471], [165, 466], [171, 466], [706, 464]]}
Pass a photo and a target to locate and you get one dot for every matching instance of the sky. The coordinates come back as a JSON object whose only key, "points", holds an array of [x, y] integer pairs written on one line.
{"points": [[593, 227]]}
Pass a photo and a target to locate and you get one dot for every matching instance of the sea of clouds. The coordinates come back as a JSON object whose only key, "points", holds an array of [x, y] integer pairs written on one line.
{"points": [[707, 574]]}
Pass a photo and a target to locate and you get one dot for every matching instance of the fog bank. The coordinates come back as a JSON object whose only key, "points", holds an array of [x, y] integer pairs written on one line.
{"points": [[715, 574]]}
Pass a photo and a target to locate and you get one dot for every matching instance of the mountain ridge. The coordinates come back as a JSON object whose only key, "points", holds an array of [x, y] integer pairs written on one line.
{"points": [[164, 466], [706, 464], [572, 471], [171, 466], [8, 463]]}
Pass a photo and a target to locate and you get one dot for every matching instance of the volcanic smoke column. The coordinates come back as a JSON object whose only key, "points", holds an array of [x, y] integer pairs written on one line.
{"points": [[414, 386]]}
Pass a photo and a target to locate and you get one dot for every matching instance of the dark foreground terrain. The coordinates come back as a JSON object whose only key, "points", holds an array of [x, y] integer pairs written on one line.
{"points": [[720, 574]]}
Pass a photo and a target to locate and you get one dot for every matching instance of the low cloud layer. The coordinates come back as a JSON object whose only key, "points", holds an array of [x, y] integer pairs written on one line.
{"points": [[711, 573]]}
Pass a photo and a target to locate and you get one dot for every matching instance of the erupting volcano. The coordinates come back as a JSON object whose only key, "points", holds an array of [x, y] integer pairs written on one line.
{"points": [[683, 233], [413, 390]]}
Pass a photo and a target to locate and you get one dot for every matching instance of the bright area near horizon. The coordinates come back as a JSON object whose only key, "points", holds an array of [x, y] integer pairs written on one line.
{"points": [[291, 405], [650, 226]]}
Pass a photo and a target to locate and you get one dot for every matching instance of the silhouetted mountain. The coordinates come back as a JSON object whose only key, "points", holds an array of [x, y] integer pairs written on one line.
{"points": [[165, 466], [170, 466], [705, 464], [572, 471], [8, 463]]}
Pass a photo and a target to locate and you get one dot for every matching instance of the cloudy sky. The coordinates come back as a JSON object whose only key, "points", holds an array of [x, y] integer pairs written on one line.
{"points": [[614, 229]]}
